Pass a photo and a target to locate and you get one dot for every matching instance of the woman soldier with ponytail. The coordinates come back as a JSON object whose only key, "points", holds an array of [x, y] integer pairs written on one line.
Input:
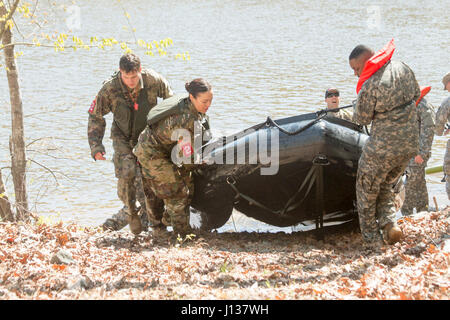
{"points": [[165, 151]]}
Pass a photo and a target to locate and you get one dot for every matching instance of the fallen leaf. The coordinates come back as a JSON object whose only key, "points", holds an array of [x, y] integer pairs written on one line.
{"points": [[24, 259], [62, 239], [281, 296], [404, 296], [59, 267], [431, 248], [344, 291]]}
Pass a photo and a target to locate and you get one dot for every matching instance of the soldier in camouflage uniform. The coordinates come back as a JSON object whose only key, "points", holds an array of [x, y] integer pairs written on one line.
{"points": [[416, 192], [387, 100], [442, 118], [129, 95], [166, 154], [120, 219], [332, 101]]}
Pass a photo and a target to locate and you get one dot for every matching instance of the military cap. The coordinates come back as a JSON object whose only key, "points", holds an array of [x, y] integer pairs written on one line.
{"points": [[331, 90]]}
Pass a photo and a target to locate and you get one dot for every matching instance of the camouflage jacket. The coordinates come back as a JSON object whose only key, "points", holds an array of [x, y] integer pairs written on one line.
{"points": [[387, 100], [179, 136], [425, 118], [442, 117], [115, 94], [342, 114]]}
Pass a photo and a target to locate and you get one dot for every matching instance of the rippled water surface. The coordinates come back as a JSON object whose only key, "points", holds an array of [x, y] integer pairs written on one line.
{"points": [[263, 58]]}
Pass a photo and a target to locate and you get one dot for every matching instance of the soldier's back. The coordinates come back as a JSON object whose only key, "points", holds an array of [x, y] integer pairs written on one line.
{"points": [[442, 116]]}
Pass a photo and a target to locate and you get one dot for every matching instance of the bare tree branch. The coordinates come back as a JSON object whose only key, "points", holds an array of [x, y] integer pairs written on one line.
{"points": [[129, 22], [48, 169], [17, 28], [35, 6]]}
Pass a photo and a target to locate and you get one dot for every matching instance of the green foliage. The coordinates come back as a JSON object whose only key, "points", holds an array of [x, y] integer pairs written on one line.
{"points": [[226, 266], [180, 240]]}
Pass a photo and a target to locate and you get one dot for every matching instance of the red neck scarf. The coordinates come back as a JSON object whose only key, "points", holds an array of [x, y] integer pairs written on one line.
{"points": [[423, 93], [375, 63]]}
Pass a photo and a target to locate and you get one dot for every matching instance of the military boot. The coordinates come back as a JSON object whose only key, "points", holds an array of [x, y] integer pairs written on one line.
{"points": [[111, 225], [373, 246], [166, 220], [117, 221], [392, 233], [134, 221], [144, 220], [159, 230], [406, 212]]}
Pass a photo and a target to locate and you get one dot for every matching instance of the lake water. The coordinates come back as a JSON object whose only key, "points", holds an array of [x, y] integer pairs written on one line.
{"points": [[263, 58]]}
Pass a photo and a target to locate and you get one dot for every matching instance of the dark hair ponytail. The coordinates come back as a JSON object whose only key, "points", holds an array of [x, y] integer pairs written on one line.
{"points": [[197, 86]]}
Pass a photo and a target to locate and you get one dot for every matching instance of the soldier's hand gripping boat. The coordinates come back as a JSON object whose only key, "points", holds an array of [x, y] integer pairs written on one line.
{"points": [[284, 172]]}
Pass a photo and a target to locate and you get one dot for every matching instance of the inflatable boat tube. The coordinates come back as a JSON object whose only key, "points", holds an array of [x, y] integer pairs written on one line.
{"points": [[282, 172]]}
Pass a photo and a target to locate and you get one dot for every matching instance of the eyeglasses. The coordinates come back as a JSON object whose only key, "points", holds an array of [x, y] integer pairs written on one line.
{"points": [[332, 94]]}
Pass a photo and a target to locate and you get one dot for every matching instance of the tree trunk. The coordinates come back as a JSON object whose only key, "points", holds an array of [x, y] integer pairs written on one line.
{"points": [[17, 142], [5, 206]]}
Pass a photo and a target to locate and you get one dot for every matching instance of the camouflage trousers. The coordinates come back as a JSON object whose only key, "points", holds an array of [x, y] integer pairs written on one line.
{"points": [[120, 219], [416, 192], [378, 172], [447, 169], [129, 185], [125, 167], [171, 184]]}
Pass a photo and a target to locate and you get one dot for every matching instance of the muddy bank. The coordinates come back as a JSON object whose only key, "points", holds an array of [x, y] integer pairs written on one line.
{"points": [[71, 262]]}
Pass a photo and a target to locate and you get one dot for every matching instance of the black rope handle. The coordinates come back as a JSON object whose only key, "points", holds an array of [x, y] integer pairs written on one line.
{"points": [[310, 177], [334, 110], [269, 122], [320, 115]]}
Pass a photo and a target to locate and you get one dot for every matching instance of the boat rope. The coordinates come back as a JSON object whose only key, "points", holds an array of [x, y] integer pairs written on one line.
{"points": [[334, 110], [232, 183], [320, 115], [311, 176], [269, 122]]}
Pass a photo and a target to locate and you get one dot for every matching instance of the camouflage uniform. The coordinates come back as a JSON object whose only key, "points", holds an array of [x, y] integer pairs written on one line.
{"points": [[442, 117], [130, 108], [342, 114], [416, 193], [119, 219], [170, 182], [387, 100]]}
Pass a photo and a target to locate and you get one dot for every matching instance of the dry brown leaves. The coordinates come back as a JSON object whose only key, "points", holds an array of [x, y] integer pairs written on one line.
{"points": [[115, 265]]}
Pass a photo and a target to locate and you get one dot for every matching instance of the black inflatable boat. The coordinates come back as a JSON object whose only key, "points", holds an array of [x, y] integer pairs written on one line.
{"points": [[284, 172]]}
